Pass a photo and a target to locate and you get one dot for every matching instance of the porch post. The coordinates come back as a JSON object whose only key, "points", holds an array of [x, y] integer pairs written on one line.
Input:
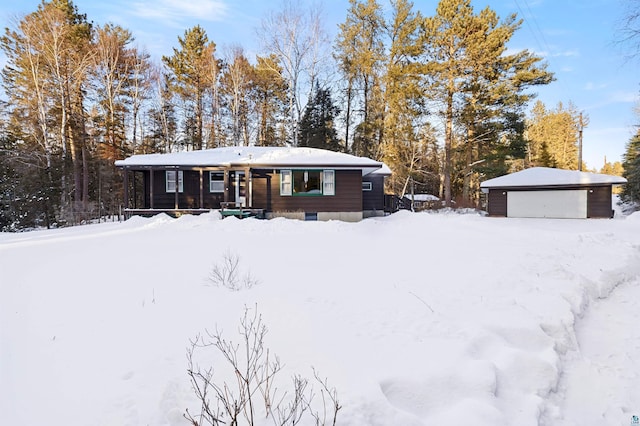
{"points": [[201, 190], [151, 189], [249, 187], [177, 192], [226, 185], [126, 187]]}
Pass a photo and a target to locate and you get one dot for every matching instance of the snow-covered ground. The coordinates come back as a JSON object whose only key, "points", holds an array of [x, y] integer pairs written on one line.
{"points": [[415, 318]]}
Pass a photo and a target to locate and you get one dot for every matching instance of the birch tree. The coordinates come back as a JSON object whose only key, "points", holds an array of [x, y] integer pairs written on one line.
{"points": [[48, 55], [297, 38], [237, 85]]}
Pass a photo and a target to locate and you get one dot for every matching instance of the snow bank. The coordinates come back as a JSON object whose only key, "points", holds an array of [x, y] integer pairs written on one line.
{"points": [[416, 319]]}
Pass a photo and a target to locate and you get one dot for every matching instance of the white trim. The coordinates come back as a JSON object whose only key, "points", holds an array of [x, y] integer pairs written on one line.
{"points": [[216, 185], [367, 186], [286, 183], [328, 182], [170, 181]]}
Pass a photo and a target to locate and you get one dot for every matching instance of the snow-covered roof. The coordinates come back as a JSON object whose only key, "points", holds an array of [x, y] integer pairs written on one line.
{"points": [[546, 176], [384, 170], [253, 156]]}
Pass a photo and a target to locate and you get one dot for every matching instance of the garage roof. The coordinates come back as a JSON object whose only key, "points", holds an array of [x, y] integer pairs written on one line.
{"points": [[546, 176]]}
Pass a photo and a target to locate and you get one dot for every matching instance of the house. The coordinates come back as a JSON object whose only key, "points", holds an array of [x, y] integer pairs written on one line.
{"points": [[302, 183], [374, 200], [552, 193]]}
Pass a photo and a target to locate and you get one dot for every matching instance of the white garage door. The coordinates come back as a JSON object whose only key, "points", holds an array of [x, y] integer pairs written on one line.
{"points": [[556, 204]]}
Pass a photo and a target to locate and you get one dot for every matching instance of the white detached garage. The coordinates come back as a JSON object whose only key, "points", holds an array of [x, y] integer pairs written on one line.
{"points": [[551, 193]]}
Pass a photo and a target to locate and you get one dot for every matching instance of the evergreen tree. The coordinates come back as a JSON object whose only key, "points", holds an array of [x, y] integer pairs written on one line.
{"points": [[48, 54], [409, 145], [270, 92], [631, 165], [296, 37], [553, 137], [192, 67], [316, 129], [360, 54], [471, 79], [614, 169]]}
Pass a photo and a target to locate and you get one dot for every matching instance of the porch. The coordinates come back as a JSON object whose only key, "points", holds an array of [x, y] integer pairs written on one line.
{"points": [[188, 190]]}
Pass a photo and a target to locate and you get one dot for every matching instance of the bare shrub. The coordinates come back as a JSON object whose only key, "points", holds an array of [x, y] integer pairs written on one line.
{"points": [[254, 391], [229, 275], [330, 403]]}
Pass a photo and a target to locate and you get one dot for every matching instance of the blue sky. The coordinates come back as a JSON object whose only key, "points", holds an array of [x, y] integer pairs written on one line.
{"points": [[576, 37]]}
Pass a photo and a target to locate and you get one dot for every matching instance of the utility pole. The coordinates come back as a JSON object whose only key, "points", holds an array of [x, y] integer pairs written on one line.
{"points": [[580, 126]]}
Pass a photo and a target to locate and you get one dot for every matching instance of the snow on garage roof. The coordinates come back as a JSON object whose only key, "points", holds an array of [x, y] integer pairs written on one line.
{"points": [[255, 156], [546, 176]]}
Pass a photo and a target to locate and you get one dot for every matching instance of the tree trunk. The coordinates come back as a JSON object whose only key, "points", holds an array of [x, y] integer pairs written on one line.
{"points": [[448, 143]]}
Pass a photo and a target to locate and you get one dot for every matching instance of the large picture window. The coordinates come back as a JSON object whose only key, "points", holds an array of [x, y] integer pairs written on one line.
{"points": [[171, 181], [307, 182], [216, 182]]}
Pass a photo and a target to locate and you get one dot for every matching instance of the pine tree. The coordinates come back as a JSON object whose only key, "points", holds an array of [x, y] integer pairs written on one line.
{"points": [[316, 128], [553, 136], [408, 139], [360, 54], [472, 80], [192, 68], [48, 55], [631, 165], [296, 37], [270, 92]]}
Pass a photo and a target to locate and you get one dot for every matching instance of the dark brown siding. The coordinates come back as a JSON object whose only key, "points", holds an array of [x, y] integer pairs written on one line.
{"points": [[598, 199], [188, 199], [147, 194], [497, 202], [599, 202], [348, 198], [374, 199], [263, 189]]}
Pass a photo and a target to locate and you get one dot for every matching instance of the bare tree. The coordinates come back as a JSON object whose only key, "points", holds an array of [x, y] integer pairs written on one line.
{"points": [[142, 77], [629, 29], [297, 38], [237, 86]]}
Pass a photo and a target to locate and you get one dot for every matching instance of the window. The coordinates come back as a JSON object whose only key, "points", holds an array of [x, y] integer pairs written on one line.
{"points": [[307, 182], [366, 186], [216, 182], [285, 182], [171, 181], [328, 182]]}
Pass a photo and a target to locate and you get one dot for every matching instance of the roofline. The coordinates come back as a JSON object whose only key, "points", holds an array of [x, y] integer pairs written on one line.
{"points": [[251, 166], [565, 185]]}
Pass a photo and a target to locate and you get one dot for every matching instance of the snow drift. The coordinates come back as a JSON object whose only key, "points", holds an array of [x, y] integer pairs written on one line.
{"points": [[415, 319]]}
